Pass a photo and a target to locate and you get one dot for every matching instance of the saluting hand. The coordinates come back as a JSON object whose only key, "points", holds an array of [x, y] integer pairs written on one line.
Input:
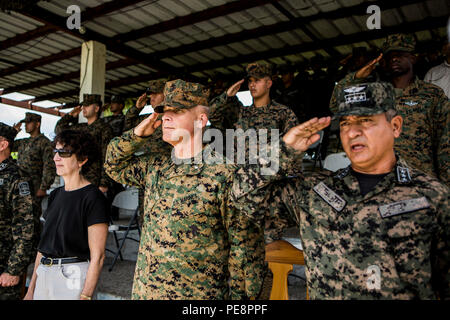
{"points": [[304, 135], [75, 112], [141, 101], [17, 126], [148, 125], [365, 71], [235, 88]]}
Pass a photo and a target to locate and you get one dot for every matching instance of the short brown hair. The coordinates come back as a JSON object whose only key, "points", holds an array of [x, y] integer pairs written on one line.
{"points": [[82, 144]]}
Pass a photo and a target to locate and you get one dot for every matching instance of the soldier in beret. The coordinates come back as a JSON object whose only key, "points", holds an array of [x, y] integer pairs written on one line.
{"points": [[378, 229], [17, 226], [425, 141]]}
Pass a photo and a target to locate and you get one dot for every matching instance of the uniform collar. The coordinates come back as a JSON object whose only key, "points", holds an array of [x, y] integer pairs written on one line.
{"points": [[263, 107], [401, 172], [191, 166], [413, 88], [400, 175]]}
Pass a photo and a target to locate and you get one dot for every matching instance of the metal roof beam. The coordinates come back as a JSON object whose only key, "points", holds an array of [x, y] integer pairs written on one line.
{"points": [[29, 105], [88, 14], [196, 17], [65, 77], [426, 24]]}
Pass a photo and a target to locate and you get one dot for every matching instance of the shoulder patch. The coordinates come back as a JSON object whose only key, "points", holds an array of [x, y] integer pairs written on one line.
{"points": [[399, 207], [330, 196], [24, 189]]}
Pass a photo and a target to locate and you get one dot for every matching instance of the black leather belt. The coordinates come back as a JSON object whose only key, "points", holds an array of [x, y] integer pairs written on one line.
{"points": [[52, 261]]}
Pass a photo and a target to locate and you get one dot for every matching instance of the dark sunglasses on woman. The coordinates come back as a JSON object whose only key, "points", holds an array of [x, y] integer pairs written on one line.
{"points": [[63, 153]]}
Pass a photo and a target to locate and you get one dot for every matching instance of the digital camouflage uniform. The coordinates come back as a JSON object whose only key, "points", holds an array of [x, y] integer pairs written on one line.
{"points": [[391, 243], [35, 157], [424, 141], [102, 134], [229, 113], [196, 241], [16, 220]]}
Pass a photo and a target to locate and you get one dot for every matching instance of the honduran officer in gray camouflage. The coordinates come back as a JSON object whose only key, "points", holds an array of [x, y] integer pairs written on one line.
{"points": [[378, 229]]}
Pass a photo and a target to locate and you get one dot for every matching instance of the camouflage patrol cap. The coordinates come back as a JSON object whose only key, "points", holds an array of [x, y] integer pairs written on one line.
{"points": [[184, 95], [365, 99], [89, 99], [156, 86], [117, 99], [8, 132], [258, 70], [29, 117], [399, 42]]}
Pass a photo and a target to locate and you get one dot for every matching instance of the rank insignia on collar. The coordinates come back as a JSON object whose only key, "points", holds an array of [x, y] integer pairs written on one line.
{"points": [[410, 205], [330, 197], [3, 166], [403, 175], [343, 173]]}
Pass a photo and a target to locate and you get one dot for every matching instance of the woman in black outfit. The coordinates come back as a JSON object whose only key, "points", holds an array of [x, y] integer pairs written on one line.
{"points": [[72, 246]]}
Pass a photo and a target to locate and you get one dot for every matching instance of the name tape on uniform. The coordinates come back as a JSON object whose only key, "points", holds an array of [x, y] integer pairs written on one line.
{"points": [[410, 205], [330, 196]]}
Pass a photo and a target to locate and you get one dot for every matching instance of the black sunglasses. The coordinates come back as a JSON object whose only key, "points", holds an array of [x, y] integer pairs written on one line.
{"points": [[63, 153]]}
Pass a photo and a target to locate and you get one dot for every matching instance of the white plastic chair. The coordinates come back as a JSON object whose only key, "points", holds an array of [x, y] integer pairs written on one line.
{"points": [[128, 200], [336, 161]]}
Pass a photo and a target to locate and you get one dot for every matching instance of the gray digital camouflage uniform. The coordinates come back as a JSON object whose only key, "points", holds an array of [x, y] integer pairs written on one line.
{"points": [[17, 224], [391, 243]]}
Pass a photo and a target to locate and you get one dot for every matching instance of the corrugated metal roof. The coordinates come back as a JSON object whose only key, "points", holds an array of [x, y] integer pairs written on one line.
{"points": [[204, 61]]}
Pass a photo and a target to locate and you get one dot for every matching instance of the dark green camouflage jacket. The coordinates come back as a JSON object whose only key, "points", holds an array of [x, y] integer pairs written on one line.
{"points": [[16, 219], [35, 156]]}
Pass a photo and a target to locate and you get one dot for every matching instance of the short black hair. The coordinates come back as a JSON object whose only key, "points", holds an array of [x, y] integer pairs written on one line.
{"points": [[82, 144]]}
